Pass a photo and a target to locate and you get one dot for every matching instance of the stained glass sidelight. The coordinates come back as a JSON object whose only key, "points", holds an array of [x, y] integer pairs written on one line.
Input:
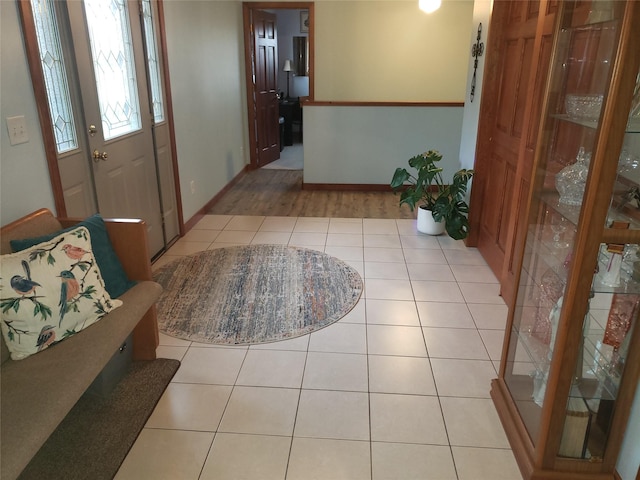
{"points": [[55, 76], [113, 64], [152, 62]]}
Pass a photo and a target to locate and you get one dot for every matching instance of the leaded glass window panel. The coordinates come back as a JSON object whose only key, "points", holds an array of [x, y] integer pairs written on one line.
{"points": [[152, 61], [113, 64], [55, 76]]}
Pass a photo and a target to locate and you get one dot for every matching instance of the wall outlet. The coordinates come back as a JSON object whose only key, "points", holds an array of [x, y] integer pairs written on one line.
{"points": [[193, 187], [17, 128]]}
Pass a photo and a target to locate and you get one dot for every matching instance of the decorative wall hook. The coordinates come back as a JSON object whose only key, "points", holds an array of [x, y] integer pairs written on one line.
{"points": [[476, 51]]}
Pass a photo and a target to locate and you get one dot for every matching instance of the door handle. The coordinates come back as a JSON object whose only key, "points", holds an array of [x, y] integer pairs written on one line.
{"points": [[97, 156]]}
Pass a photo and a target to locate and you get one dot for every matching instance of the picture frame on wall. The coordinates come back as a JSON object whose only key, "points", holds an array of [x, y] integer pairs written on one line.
{"points": [[304, 21]]}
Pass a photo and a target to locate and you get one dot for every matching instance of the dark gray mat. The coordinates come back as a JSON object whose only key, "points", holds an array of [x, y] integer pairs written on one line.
{"points": [[95, 437]]}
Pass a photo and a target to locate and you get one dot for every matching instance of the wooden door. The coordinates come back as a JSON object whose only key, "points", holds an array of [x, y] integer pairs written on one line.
{"points": [[266, 86], [518, 49]]}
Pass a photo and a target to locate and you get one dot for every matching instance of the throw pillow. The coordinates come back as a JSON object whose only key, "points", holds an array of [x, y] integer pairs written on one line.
{"points": [[114, 276], [49, 292]]}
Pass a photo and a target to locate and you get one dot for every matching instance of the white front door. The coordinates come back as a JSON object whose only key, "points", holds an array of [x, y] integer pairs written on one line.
{"points": [[110, 63]]}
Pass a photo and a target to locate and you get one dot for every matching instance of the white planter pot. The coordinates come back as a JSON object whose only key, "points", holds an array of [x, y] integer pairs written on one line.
{"points": [[426, 223]]}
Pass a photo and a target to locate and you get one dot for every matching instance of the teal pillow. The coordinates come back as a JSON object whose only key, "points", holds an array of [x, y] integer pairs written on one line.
{"points": [[115, 279]]}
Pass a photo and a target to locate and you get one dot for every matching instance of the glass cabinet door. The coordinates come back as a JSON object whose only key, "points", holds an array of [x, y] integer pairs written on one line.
{"points": [[603, 318]]}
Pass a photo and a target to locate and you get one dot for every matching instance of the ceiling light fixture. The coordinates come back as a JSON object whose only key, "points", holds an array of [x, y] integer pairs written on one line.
{"points": [[429, 6]]}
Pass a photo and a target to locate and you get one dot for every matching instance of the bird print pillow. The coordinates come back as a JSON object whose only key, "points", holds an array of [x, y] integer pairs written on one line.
{"points": [[50, 292]]}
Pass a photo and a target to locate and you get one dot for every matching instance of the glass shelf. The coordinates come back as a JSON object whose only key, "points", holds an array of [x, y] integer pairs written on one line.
{"points": [[632, 127]]}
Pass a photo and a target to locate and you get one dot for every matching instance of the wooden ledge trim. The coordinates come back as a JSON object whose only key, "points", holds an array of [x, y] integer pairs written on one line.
{"points": [[313, 103]]}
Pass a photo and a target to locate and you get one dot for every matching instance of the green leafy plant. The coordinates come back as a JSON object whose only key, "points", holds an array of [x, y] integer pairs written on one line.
{"points": [[426, 189]]}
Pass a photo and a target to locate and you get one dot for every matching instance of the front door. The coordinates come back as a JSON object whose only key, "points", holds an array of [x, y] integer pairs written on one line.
{"points": [[110, 62], [266, 86]]}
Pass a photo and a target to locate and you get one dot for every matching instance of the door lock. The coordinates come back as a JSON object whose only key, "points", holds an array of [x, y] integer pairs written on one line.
{"points": [[92, 130], [97, 156]]}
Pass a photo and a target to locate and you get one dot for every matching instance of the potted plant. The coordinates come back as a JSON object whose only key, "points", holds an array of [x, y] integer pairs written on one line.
{"points": [[444, 204]]}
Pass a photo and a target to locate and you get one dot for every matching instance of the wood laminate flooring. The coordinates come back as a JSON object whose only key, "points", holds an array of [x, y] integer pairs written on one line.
{"points": [[280, 193]]}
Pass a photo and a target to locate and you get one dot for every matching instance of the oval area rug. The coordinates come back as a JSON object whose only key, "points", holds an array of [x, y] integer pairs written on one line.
{"points": [[254, 294]]}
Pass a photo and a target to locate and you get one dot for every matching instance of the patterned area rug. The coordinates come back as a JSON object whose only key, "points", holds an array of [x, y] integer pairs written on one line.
{"points": [[254, 294]]}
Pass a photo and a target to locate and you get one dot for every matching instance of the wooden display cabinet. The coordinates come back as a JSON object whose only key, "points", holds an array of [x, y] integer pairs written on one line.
{"points": [[571, 356]]}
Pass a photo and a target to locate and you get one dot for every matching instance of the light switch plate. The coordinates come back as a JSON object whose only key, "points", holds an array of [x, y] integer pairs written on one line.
{"points": [[17, 128]]}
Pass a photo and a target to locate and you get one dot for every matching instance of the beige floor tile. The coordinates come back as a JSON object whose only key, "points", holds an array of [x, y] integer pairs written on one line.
{"points": [[166, 351], [318, 459], [388, 289], [473, 422], [382, 241], [422, 241], [164, 260], [462, 343], [195, 235], [272, 368], [485, 464], [210, 365], [403, 375], [379, 254], [343, 227], [336, 371], [238, 237], [448, 243], [432, 291], [166, 455], [278, 224], [271, 238], [311, 225], [481, 293], [473, 274], [489, 317], [345, 253], [308, 239], [299, 344], [386, 270], [344, 240], [182, 247], [423, 255], [408, 227], [391, 312], [407, 419], [463, 378], [340, 338], [443, 314], [493, 340], [247, 457], [245, 222], [213, 222], [172, 341], [374, 226], [395, 461], [464, 257], [332, 414], [395, 340], [187, 406], [261, 411], [426, 271]]}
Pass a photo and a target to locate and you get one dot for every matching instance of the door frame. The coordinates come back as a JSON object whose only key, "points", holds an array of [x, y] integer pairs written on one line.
{"points": [[44, 115], [247, 15]]}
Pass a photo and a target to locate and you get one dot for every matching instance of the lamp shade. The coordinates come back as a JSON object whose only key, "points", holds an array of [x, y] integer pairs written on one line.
{"points": [[287, 66]]}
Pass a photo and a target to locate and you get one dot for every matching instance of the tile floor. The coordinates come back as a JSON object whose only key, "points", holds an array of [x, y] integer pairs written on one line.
{"points": [[398, 389]]}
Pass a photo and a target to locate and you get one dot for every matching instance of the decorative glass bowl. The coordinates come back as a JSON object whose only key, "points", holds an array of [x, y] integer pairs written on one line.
{"points": [[585, 107], [572, 179]]}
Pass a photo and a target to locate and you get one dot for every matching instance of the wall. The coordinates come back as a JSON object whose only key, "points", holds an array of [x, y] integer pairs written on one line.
{"points": [[364, 145], [481, 14], [24, 177], [206, 64], [391, 51]]}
